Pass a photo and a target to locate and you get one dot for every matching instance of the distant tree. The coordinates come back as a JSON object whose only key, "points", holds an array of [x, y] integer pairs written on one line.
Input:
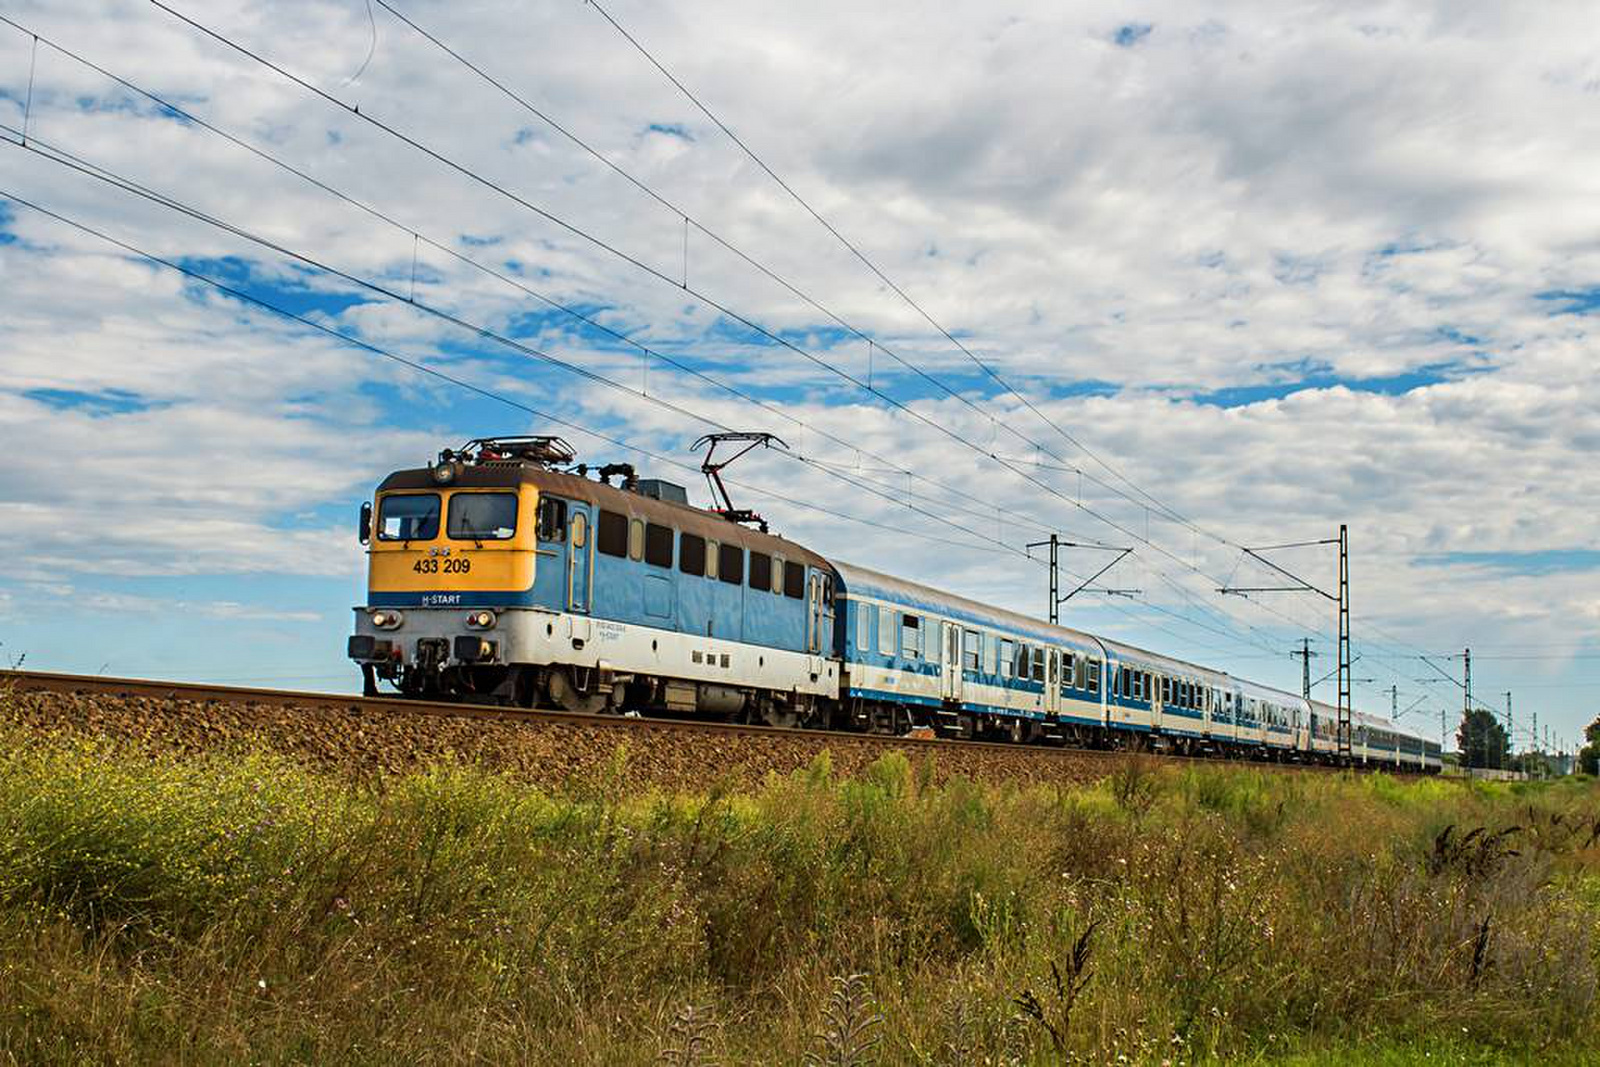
{"points": [[1482, 739], [1589, 755]]}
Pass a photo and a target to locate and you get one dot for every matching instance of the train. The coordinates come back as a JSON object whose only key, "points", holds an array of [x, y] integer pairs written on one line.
{"points": [[504, 572]]}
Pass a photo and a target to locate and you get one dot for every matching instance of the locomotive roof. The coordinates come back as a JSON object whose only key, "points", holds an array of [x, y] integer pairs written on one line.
{"points": [[682, 517]]}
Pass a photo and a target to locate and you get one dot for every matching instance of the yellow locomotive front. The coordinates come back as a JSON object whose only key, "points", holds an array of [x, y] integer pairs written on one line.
{"points": [[451, 547]]}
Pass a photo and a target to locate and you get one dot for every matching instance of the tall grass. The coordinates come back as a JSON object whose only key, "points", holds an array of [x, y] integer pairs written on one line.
{"points": [[236, 907]]}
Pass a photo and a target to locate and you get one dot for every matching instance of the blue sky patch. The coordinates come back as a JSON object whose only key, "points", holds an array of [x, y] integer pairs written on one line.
{"points": [[1573, 301], [1131, 34], [286, 293], [1321, 377], [1536, 562], [96, 405]]}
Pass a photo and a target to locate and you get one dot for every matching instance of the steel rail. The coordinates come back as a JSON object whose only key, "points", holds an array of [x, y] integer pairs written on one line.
{"points": [[203, 692]]}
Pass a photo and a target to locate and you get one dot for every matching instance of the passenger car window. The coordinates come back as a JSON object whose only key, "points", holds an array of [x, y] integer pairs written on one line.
{"points": [[409, 517], [482, 516], [864, 614], [971, 650], [910, 636], [885, 630]]}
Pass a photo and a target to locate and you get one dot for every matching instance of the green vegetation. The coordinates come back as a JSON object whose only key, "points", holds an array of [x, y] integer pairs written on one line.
{"points": [[235, 908]]}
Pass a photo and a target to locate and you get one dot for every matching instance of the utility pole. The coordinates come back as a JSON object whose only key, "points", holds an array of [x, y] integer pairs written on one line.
{"points": [[1305, 656], [1056, 599], [1394, 702], [1511, 741], [1466, 699], [1344, 640], [1343, 600], [1544, 764], [1442, 735]]}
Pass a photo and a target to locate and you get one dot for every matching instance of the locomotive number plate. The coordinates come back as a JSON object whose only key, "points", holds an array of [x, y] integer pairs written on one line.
{"points": [[434, 565]]}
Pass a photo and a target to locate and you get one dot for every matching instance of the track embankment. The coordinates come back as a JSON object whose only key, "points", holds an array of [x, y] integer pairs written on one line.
{"points": [[366, 737]]}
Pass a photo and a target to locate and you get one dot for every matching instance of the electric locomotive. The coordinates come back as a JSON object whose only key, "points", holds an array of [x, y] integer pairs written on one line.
{"points": [[494, 576]]}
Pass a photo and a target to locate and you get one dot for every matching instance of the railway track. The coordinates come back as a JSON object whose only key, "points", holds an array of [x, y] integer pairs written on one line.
{"points": [[248, 703]]}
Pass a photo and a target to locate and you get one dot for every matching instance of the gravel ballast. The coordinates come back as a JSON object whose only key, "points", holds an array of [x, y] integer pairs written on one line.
{"points": [[363, 740]]}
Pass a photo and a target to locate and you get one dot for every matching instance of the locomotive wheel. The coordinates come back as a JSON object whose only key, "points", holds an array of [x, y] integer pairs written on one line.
{"points": [[1018, 732], [564, 695]]}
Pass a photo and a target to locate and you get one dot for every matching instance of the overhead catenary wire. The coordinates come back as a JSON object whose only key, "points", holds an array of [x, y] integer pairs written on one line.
{"points": [[779, 340], [807, 298], [90, 168], [877, 272], [766, 333], [578, 231], [490, 271], [101, 174], [866, 261], [454, 380], [690, 219], [434, 372]]}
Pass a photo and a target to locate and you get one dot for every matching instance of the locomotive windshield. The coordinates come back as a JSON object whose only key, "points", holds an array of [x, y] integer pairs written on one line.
{"points": [[409, 517], [483, 516]]}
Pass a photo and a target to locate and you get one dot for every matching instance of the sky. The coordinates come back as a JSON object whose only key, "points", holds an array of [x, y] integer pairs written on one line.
{"points": [[1181, 278]]}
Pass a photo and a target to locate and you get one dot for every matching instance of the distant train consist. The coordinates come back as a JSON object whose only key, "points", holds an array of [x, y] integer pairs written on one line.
{"points": [[496, 577]]}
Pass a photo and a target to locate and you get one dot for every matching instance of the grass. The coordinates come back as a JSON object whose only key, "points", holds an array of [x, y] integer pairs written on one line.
{"points": [[238, 908]]}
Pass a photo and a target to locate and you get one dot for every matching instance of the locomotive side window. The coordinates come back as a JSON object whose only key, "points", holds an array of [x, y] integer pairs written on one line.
{"points": [[409, 517], [760, 571], [730, 564], [636, 539], [611, 536], [794, 580], [482, 516], [552, 519], [658, 545], [692, 554]]}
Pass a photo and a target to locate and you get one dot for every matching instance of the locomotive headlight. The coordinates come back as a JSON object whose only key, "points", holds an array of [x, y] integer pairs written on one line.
{"points": [[444, 473], [387, 620], [481, 620]]}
